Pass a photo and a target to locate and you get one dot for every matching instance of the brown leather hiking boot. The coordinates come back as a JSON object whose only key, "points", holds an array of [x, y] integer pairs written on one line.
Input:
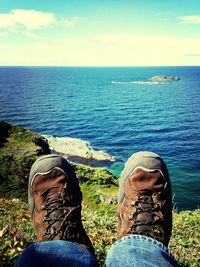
{"points": [[145, 201], [55, 201]]}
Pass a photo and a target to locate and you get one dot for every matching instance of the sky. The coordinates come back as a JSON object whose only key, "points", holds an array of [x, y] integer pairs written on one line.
{"points": [[99, 33]]}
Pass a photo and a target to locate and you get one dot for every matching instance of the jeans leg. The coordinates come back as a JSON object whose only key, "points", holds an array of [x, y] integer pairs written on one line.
{"points": [[57, 253], [139, 251]]}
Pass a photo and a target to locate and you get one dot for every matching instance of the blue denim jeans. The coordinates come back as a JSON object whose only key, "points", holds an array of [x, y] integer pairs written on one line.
{"points": [[139, 251], [129, 251]]}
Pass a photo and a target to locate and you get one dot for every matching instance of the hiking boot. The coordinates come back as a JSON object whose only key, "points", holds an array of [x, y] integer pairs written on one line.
{"points": [[145, 201], [55, 201]]}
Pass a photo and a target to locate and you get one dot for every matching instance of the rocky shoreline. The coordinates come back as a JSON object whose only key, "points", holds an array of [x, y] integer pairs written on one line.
{"points": [[76, 148]]}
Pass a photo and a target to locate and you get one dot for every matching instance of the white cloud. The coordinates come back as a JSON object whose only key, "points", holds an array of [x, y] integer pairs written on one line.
{"points": [[190, 19], [146, 50], [98, 23], [3, 34], [32, 35], [192, 55], [6, 21], [146, 41], [28, 19], [162, 14], [104, 50], [70, 22]]}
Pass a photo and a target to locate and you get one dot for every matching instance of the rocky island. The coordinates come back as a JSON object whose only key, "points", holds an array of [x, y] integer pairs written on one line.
{"points": [[155, 80], [163, 78]]}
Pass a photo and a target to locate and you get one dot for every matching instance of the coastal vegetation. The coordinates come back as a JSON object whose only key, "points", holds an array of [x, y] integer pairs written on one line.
{"points": [[99, 187]]}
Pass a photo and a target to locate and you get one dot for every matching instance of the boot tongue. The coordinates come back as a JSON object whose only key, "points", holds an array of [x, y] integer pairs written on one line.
{"points": [[153, 180]]}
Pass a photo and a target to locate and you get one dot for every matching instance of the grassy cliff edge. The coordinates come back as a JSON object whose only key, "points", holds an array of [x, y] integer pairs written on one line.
{"points": [[99, 187]]}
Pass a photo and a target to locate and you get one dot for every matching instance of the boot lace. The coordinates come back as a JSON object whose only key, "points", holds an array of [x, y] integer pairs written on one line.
{"points": [[145, 220], [59, 217]]}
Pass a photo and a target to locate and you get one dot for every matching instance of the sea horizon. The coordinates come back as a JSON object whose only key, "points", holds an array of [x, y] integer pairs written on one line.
{"points": [[96, 66]]}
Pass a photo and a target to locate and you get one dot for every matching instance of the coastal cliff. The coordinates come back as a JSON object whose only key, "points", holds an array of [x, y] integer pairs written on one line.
{"points": [[99, 187], [19, 148]]}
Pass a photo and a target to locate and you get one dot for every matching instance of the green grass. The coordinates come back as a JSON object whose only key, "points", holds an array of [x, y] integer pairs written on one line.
{"points": [[17, 154], [185, 241], [16, 232]]}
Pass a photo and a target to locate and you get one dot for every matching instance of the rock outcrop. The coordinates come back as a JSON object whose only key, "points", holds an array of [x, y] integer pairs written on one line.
{"points": [[163, 78], [43, 143], [73, 147]]}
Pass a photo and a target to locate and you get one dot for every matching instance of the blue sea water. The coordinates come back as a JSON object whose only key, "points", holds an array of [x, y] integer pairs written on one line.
{"points": [[82, 102]]}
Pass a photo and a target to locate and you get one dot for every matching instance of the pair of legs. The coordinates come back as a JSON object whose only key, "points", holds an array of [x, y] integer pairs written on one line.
{"points": [[144, 216]]}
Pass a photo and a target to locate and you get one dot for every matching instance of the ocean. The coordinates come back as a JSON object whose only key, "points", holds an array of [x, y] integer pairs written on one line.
{"points": [[102, 106]]}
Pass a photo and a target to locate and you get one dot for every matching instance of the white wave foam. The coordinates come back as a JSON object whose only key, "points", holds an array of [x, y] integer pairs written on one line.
{"points": [[139, 82]]}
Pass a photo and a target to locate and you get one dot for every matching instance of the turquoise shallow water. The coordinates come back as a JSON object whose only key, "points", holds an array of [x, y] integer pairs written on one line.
{"points": [[118, 118]]}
